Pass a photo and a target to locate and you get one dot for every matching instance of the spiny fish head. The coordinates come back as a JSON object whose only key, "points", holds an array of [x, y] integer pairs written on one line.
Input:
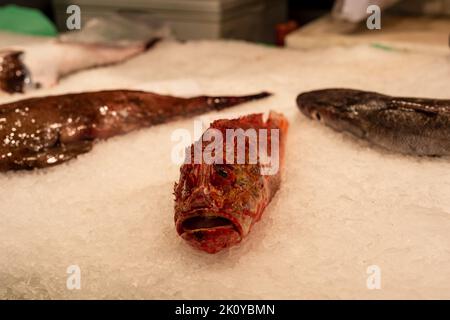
{"points": [[214, 203]]}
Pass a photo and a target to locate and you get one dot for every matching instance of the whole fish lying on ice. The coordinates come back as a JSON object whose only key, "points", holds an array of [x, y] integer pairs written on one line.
{"points": [[415, 126], [46, 131], [42, 65], [217, 203]]}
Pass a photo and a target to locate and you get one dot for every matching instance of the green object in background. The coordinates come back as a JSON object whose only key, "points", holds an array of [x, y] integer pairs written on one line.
{"points": [[382, 46], [26, 20], [385, 47]]}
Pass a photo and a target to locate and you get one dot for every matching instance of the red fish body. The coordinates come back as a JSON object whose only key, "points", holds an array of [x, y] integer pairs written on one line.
{"points": [[216, 205], [45, 131]]}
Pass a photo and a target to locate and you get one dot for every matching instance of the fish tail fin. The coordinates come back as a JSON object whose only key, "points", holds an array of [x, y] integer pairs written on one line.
{"points": [[151, 43], [219, 103]]}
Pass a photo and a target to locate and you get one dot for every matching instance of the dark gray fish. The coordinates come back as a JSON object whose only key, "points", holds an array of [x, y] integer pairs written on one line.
{"points": [[413, 126], [46, 131]]}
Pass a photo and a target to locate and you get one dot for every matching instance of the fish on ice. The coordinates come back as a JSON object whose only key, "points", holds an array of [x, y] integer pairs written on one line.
{"points": [[46, 131], [415, 126], [42, 65], [217, 203]]}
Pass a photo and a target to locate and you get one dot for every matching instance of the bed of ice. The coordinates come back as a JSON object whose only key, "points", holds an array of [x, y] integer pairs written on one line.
{"points": [[342, 207]]}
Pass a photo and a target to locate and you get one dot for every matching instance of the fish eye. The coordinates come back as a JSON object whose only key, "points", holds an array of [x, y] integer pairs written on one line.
{"points": [[223, 175], [316, 115], [221, 171]]}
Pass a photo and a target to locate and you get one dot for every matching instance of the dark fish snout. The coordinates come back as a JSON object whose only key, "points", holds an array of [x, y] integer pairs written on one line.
{"points": [[326, 104], [309, 105]]}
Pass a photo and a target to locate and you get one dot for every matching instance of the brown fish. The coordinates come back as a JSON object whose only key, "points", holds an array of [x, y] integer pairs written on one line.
{"points": [[45, 131], [415, 126], [216, 205]]}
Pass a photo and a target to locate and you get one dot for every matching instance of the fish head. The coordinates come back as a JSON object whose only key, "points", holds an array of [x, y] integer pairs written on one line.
{"points": [[14, 76], [337, 108], [216, 204]]}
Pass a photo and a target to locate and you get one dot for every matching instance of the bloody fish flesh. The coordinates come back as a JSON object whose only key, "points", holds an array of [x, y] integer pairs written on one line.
{"points": [[45, 131], [216, 205], [415, 126]]}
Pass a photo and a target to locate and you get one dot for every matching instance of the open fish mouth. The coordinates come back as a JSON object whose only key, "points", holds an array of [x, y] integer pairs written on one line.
{"points": [[199, 222], [209, 233]]}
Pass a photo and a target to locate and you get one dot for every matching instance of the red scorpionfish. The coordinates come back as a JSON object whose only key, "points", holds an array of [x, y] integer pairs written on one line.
{"points": [[217, 204]]}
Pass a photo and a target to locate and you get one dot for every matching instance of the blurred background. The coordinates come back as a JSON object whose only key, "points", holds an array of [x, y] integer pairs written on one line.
{"points": [[295, 23], [253, 20]]}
